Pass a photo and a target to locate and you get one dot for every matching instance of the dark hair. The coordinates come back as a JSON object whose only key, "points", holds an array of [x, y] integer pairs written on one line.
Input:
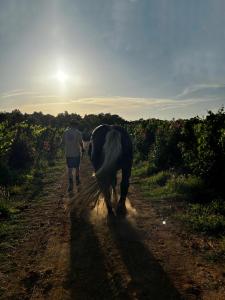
{"points": [[73, 123]]}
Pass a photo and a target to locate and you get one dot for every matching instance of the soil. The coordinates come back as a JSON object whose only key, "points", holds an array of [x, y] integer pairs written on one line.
{"points": [[141, 256]]}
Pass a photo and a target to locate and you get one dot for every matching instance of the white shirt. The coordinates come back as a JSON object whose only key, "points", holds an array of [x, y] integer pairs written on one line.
{"points": [[72, 140]]}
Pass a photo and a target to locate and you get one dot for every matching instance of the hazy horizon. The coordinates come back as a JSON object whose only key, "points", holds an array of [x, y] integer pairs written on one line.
{"points": [[135, 58]]}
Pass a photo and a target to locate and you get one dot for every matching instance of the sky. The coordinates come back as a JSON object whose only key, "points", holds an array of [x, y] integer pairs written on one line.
{"points": [[136, 58]]}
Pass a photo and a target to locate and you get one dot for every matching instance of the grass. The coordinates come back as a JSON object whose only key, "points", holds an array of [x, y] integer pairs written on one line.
{"points": [[206, 218], [167, 184], [140, 170], [160, 179], [11, 225], [202, 214]]}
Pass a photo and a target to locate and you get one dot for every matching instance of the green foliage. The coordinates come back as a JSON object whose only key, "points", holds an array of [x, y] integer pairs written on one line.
{"points": [[160, 179], [195, 146], [191, 187], [206, 218], [30, 143], [165, 153], [205, 155], [210, 224], [167, 184], [141, 169], [21, 154]]}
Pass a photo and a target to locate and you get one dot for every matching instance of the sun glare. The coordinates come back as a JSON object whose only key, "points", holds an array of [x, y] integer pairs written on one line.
{"points": [[61, 76]]}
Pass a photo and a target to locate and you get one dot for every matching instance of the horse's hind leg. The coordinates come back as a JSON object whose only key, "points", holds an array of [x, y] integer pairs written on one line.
{"points": [[107, 199], [114, 192], [121, 207]]}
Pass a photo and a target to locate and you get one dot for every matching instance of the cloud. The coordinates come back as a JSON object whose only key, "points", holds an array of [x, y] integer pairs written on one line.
{"points": [[127, 107], [16, 93], [203, 91]]}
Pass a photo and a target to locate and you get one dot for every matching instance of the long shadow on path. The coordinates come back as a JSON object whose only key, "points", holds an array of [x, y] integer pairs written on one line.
{"points": [[89, 278], [148, 279]]}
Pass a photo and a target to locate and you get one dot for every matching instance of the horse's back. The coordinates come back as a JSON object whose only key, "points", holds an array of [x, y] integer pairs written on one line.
{"points": [[99, 138], [100, 132]]}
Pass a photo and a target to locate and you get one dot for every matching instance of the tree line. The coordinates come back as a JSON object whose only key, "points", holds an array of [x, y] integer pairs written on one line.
{"points": [[188, 146]]}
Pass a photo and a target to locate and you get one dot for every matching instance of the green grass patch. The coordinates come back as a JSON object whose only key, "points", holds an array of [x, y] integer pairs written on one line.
{"points": [[167, 184], [206, 218], [160, 179], [189, 187], [140, 170], [10, 220], [202, 214]]}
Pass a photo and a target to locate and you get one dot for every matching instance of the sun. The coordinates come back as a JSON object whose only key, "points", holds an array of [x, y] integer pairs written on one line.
{"points": [[61, 76]]}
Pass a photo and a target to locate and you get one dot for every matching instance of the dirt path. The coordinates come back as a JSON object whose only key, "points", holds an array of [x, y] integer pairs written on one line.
{"points": [[137, 257]]}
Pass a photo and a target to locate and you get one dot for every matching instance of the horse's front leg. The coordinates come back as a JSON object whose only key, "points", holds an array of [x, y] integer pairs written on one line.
{"points": [[121, 207]]}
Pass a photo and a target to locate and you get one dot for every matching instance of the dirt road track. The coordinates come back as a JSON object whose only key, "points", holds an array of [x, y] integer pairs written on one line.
{"points": [[137, 257]]}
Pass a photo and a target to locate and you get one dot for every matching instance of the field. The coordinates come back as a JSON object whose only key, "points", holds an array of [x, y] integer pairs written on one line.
{"points": [[171, 244]]}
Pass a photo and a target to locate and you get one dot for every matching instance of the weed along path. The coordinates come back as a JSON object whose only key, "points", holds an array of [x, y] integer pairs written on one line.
{"points": [[142, 256]]}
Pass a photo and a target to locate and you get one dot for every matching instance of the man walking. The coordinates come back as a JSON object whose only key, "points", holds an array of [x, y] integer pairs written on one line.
{"points": [[73, 142]]}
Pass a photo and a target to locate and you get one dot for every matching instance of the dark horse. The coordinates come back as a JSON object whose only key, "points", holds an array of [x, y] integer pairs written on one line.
{"points": [[111, 150]]}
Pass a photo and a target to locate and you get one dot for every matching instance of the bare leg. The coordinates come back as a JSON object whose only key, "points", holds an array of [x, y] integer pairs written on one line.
{"points": [[77, 175], [70, 179]]}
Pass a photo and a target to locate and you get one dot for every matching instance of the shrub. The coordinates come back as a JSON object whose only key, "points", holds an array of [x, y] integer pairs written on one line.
{"points": [[21, 154], [205, 155], [165, 153]]}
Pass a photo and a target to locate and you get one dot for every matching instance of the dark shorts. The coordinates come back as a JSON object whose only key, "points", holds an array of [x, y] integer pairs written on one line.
{"points": [[73, 162]]}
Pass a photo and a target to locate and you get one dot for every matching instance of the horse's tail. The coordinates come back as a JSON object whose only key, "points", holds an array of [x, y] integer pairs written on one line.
{"points": [[112, 150]]}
